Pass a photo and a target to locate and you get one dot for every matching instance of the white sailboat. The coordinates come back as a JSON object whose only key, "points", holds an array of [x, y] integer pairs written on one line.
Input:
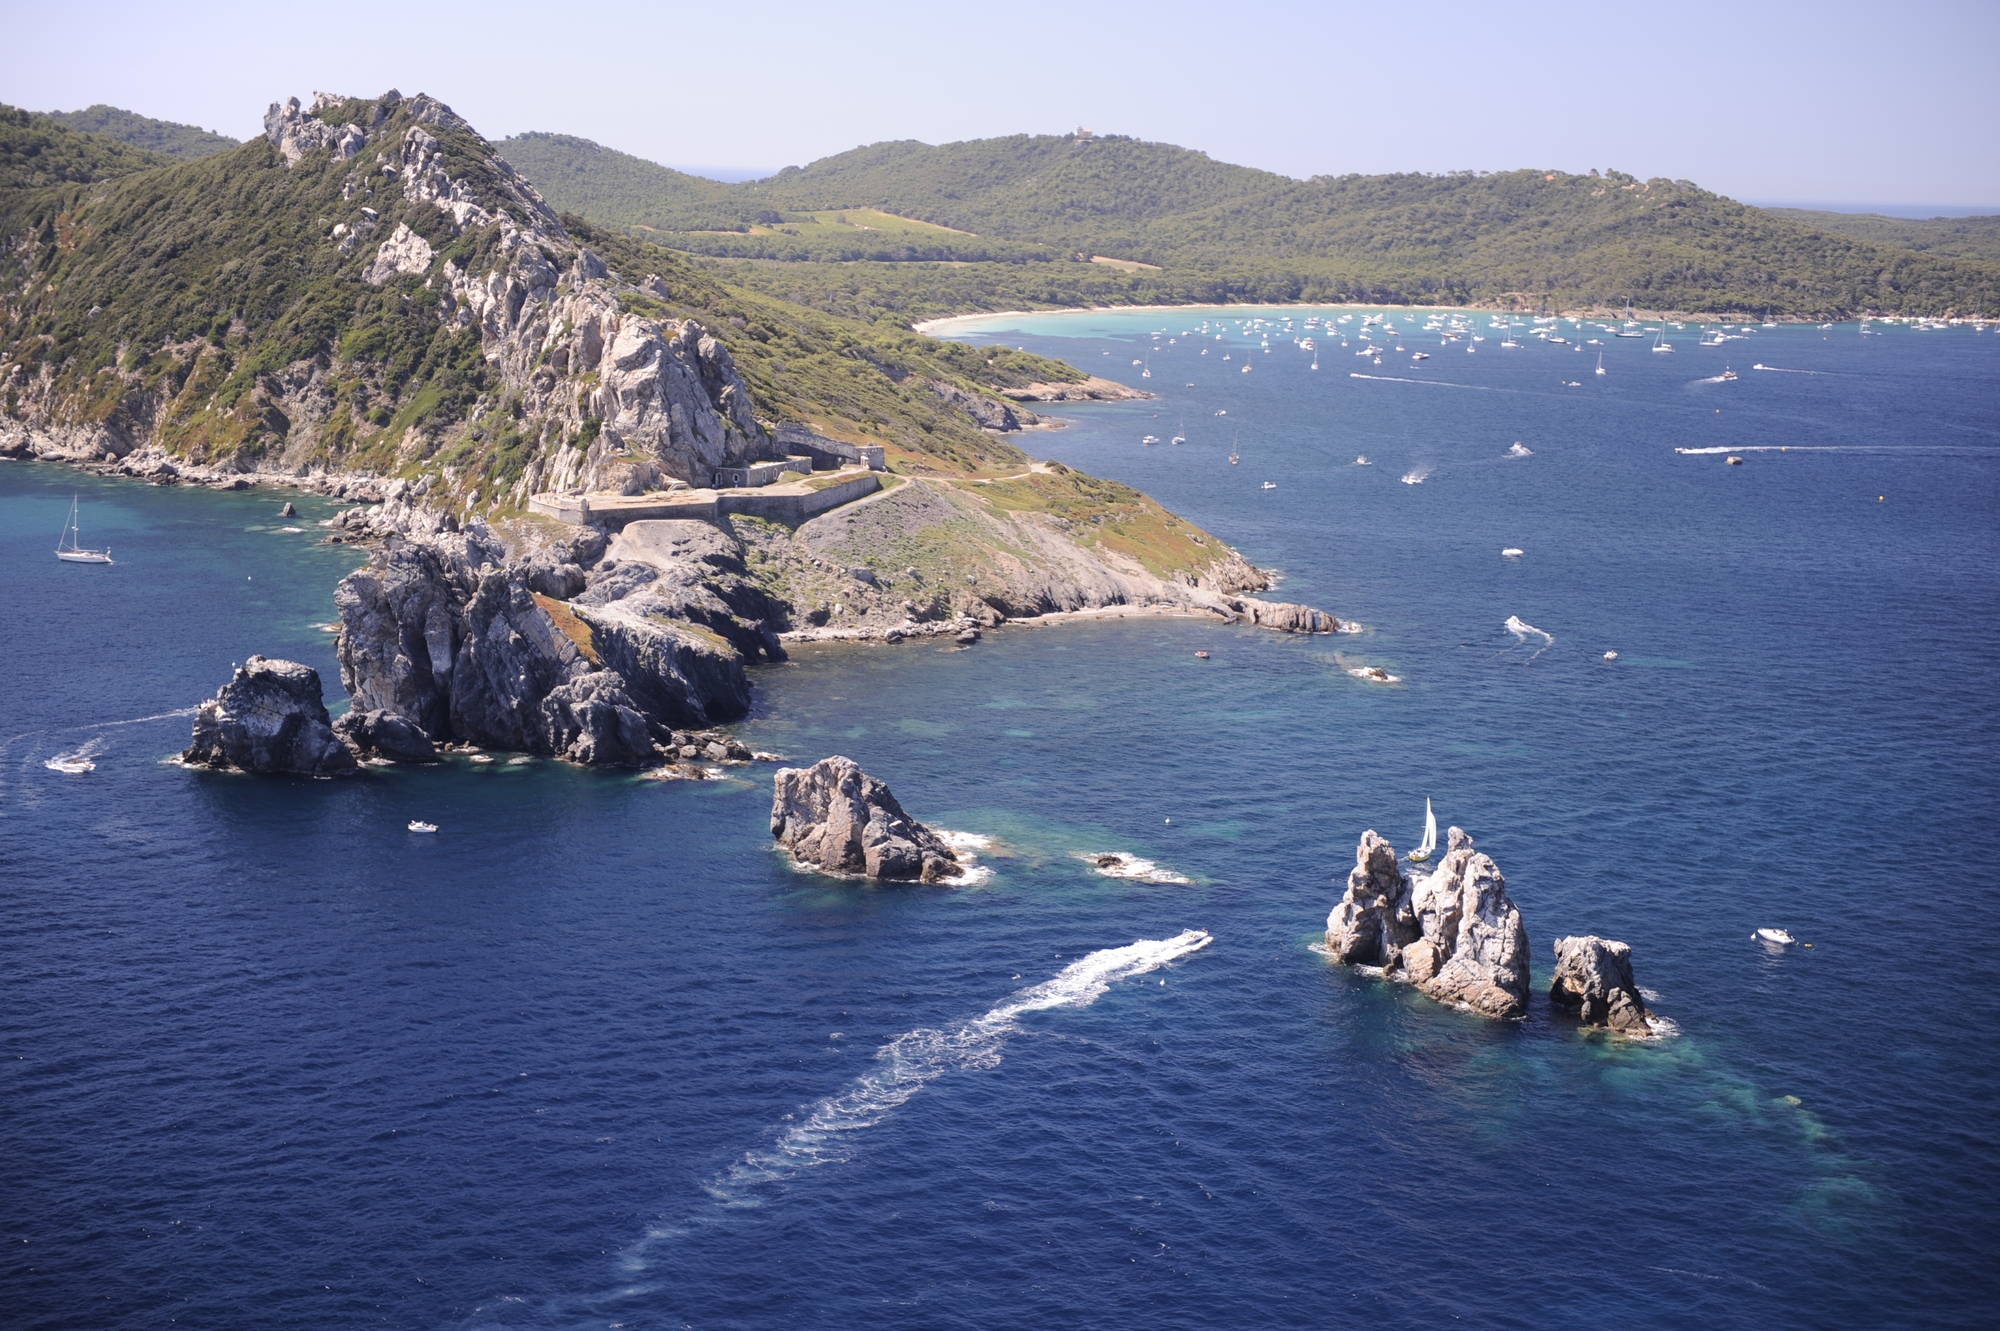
{"points": [[1233, 458], [1423, 853], [70, 547], [1600, 362], [1660, 342], [1180, 435]]}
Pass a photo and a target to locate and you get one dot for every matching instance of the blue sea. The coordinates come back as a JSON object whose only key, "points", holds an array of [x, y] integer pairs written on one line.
{"points": [[596, 1056]]}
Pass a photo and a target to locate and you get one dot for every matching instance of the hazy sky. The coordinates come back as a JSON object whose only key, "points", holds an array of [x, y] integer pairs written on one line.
{"points": [[1837, 102]]}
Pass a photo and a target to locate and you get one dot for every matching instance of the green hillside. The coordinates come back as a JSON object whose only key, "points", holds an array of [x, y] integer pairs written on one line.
{"points": [[186, 143], [209, 307], [614, 188], [1947, 237], [1027, 220], [36, 152]]}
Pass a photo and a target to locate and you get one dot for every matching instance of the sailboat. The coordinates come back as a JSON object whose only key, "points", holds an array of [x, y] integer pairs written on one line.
{"points": [[1233, 458], [1660, 342], [1423, 853], [1600, 362], [73, 552], [1147, 373], [1180, 435]]}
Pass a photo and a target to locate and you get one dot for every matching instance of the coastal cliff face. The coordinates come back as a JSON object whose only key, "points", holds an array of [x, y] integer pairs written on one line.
{"points": [[1454, 934], [549, 648], [835, 817]]}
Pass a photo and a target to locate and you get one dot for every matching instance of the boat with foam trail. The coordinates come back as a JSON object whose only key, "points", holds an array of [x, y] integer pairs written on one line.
{"points": [[1422, 853], [69, 547]]}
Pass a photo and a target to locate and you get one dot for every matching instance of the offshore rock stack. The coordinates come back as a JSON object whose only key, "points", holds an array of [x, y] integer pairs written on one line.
{"points": [[269, 717], [1455, 935], [835, 817]]}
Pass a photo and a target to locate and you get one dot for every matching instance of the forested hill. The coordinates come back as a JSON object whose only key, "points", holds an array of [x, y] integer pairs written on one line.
{"points": [[1024, 217], [186, 143], [1955, 237]]}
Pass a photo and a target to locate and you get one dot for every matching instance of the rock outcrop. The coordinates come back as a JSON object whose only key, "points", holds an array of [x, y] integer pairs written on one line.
{"points": [[1455, 934], [835, 817], [466, 642], [269, 717], [385, 736], [1594, 980], [1374, 921]]}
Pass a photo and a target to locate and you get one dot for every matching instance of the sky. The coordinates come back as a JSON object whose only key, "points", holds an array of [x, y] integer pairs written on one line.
{"points": [[1823, 103]]}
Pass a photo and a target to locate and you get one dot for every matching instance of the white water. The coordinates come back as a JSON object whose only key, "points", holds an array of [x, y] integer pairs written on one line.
{"points": [[913, 1060], [1416, 475], [1131, 866]]}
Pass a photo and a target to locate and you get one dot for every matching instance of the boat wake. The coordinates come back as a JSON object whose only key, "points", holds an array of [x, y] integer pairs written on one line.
{"points": [[1773, 369], [1524, 631], [828, 1133], [1117, 864], [77, 761], [1416, 475], [1431, 383]]}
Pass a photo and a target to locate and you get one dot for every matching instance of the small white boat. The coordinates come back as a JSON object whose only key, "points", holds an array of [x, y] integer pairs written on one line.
{"points": [[1512, 552], [1421, 355], [418, 825], [1600, 362], [1430, 843], [1611, 656], [1150, 439], [1270, 485], [69, 547], [1778, 936]]}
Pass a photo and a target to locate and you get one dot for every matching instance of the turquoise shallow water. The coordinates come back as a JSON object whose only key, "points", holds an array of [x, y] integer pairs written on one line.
{"points": [[594, 1056]]}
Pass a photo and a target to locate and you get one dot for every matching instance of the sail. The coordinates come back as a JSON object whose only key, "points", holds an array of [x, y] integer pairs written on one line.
{"points": [[1423, 852]]}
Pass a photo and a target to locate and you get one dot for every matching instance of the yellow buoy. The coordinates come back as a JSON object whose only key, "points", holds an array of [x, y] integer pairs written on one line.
{"points": [[1880, 498]]}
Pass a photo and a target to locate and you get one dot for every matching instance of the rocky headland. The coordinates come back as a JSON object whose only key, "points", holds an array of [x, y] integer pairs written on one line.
{"points": [[473, 352], [1454, 934], [837, 819]]}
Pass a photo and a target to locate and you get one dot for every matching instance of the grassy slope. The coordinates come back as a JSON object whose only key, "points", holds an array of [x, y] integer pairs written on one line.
{"points": [[185, 143], [1035, 205]]}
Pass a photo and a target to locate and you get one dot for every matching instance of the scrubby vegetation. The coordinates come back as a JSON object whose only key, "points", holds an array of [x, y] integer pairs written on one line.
{"points": [[185, 143]]}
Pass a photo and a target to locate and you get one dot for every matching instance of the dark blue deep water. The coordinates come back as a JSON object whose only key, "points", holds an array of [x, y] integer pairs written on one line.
{"points": [[594, 1056]]}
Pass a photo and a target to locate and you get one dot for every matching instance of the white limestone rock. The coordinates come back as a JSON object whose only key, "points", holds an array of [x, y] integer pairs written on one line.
{"points": [[1454, 934], [1373, 922], [403, 252]]}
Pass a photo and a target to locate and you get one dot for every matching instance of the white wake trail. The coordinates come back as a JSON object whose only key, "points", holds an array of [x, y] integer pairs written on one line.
{"points": [[1522, 630], [913, 1060]]}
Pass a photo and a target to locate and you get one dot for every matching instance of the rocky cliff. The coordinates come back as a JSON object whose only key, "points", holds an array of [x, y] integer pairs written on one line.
{"points": [[1454, 934], [550, 646]]}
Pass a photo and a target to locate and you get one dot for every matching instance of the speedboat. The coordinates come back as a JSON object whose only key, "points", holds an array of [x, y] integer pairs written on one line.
{"points": [[1778, 936], [418, 825]]}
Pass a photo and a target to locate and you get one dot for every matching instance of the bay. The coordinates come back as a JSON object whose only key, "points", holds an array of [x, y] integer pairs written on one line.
{"points": [[594, 1055]]}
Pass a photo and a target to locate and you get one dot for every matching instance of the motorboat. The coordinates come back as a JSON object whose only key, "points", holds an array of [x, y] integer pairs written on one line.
{"points": [[419, 825]]}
